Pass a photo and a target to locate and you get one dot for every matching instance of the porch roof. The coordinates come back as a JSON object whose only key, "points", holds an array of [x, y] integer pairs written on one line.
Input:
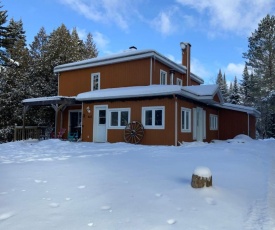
{"points": [[202, 93], [50, 100]]}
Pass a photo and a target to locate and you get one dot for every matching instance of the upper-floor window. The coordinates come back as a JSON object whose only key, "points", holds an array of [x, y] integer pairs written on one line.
{"points": [[153, 117], [185, 120], [119, 118], [95, 81], [163, 77], [213, 122], [179, 81]]}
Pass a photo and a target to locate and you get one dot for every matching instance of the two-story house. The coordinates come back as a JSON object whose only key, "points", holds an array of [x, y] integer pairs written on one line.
{"points": [[162, 102]]}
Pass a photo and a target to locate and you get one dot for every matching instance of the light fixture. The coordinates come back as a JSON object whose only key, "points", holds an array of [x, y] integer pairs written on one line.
{"points": [[88, 109]]}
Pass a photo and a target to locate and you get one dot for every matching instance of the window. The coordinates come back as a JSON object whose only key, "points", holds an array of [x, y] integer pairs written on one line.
{"points": [[185, 120], [163, 77], [213, 122], [74, 121], [153, 117], [95, 81], [119, 118], [179, 81]]}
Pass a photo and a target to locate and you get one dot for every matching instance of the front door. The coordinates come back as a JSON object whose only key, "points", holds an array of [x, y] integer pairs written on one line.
{"points": [[199, 132], [100, 119]]}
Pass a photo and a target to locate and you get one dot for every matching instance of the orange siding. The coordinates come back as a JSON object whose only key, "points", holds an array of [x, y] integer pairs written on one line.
{"points": [[131, 73], [232, 123], [151, 136]]}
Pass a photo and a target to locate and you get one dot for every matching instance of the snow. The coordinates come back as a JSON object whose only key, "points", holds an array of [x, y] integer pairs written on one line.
{"points": [[54, 184], [202, 172]]}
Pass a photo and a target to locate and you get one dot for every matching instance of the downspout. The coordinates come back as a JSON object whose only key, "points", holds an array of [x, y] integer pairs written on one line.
{"points": [[82, 114], [176, 120]]}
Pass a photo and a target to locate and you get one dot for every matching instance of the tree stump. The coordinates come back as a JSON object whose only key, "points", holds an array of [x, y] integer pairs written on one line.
{"points": [[201, 177]]}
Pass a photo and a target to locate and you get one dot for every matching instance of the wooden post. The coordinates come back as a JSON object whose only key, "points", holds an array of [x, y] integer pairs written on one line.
{"points": [[25, 109]]}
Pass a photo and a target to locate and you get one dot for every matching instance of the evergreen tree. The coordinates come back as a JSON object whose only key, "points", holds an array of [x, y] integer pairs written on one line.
{"points": [[14, 84], [221, 81], [8, 36], [261, 58], [90, 47], [235, 96]]}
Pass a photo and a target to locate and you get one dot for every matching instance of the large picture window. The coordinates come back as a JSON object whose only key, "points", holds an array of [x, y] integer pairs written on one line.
{"points": [[119, 118], [213, 122], [185, 120], [95, 80], [163, 77], [153, 117]]}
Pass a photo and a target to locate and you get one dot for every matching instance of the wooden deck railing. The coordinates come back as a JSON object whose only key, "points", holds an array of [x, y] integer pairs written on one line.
{"points": [[31, 132]]}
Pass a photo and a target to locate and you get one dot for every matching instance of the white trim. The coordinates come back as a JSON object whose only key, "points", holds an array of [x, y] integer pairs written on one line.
{"points": [[179, 81], [213, 122], [186, 110], [153, 109], [176, 121], [163, 74], [92, 81], [119, 110], [194, 123]]}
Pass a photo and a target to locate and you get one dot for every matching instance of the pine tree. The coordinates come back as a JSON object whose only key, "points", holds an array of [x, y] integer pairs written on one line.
{"points": [[8, 36], [235, 97], [14, 84], [221, 81], [90, 47], [261, 58]]}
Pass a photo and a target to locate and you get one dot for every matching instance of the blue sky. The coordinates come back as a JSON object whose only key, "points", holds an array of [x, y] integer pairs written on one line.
{"points": [[218, 30]]}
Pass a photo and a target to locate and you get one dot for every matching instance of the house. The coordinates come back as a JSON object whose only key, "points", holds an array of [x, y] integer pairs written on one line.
{"points": [[99, 97]]}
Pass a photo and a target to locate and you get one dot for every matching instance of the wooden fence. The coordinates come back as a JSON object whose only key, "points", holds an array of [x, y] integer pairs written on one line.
{"points": [[31, 132]]}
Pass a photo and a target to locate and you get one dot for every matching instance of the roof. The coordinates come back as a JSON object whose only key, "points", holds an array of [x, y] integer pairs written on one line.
{"points": [[203, 93], [241, 108], [49, 100], [123, 57]]}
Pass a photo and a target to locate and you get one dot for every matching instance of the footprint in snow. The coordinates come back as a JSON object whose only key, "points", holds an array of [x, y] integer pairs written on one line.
{"points": [[91, 224], [54, 205], [81, 186], [106, 208], [68, 198], [6, 215], [158, 195], [171, 221], [210, 201]]}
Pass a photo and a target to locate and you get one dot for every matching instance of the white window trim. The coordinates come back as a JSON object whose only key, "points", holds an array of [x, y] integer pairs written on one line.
{"points": [[119, 116], [92, 80], [160, 79], [179, 81], [153, 108], [189, 121], [213, 122]]}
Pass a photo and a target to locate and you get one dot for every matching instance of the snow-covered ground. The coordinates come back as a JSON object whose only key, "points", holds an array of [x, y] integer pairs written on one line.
{"points": [[57, 184]]}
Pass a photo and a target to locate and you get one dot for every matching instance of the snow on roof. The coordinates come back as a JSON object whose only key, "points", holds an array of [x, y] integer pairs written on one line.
{"points": [[129, 92], [199, 93], [202, 90], [125, 56], [53, 98], [241, 108]]}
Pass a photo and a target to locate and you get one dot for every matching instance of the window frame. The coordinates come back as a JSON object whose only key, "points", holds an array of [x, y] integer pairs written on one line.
{"points": [[179, 81], [213, 122], [93, 75], [184, 129], [163, 73], [153, 109], [119, 111], [79, 119]]}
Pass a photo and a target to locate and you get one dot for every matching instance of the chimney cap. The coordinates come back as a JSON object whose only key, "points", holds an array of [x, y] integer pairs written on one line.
{"points": [[183, 45], [133, 48]]}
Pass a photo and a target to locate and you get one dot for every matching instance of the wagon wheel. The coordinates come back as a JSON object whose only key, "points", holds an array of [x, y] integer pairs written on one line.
{"points": [[133, 132]]}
